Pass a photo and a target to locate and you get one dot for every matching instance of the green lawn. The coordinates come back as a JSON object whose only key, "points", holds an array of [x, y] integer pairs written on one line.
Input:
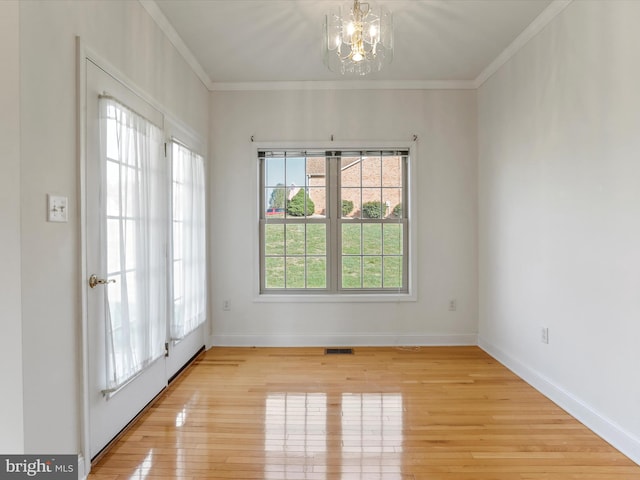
{"points": [[371, 255]]}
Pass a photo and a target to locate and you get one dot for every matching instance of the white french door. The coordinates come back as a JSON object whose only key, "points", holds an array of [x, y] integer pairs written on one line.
{"points": [[128, 241], [113, 221]]}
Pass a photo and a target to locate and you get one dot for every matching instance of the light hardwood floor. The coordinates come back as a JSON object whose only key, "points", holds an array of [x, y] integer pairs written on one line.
{"points": [[432, 413]]}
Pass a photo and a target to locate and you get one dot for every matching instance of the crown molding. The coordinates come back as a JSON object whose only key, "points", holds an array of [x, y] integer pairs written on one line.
{"points": [[535, 27], [345, 85], [156, 14]]}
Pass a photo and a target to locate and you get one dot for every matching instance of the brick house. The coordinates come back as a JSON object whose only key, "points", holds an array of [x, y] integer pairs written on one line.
{"points": [[362, 179]]}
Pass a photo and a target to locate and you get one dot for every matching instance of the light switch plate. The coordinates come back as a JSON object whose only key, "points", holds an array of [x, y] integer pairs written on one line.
{"points": [[57, 208]]}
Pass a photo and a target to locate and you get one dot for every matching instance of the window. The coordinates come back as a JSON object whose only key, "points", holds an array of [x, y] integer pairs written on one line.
{"points": [[188, 240], [134, 226], [333, 222]]}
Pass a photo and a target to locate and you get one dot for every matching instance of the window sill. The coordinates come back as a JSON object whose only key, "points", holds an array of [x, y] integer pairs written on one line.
{"points": [[336, 298]]}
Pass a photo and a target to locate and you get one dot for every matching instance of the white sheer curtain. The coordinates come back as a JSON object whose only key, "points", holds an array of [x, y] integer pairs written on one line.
{"points": [[189, 244], [134, 234]]}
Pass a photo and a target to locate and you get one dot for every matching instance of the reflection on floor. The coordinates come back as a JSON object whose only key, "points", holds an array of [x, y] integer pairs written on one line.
{"points": [[443, 413], [370, 430]]}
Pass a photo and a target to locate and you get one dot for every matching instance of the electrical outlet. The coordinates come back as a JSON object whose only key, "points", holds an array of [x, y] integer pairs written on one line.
{"points": [[453, 305], [226, 305], [544, 335]]}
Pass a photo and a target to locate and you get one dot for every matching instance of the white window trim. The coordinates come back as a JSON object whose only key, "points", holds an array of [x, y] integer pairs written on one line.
{"points": [[411, 295]]}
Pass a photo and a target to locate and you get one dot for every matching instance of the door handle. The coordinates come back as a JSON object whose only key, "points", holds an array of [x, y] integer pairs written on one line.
{"points": [[94, 281]]}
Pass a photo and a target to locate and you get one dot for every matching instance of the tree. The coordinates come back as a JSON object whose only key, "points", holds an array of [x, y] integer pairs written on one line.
{"points": [[278, 196], [296, 206]]}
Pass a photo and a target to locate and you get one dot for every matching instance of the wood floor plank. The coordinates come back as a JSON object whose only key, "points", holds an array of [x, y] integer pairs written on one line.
{"points": [[437, 413]]}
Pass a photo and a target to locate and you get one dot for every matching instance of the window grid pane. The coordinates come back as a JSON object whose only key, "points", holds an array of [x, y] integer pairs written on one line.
{"points": [[295, 255], [379, 265]]}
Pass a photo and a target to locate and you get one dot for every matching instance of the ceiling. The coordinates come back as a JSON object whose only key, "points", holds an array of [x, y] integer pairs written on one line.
{"points": [[258, 41]]}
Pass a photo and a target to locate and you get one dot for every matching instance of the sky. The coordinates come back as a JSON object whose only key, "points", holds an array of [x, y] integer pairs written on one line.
{"points": [[293, 173]]}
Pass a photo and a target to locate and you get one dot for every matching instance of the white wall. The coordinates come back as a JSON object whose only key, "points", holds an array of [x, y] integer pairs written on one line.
{"points": [[11, 412], [559, 215], [445, 122], [122, 33]]}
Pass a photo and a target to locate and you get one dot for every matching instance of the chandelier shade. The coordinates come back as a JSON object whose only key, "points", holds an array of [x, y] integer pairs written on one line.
{"points": [[358, 39]]}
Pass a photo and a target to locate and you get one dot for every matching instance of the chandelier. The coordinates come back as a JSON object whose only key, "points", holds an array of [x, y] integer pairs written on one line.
{"points": [[358, 40]]}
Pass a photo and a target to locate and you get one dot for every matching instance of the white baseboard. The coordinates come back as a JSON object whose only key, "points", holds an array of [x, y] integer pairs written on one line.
{"points": [[610, 431], [82, 473], [343, 340]]}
